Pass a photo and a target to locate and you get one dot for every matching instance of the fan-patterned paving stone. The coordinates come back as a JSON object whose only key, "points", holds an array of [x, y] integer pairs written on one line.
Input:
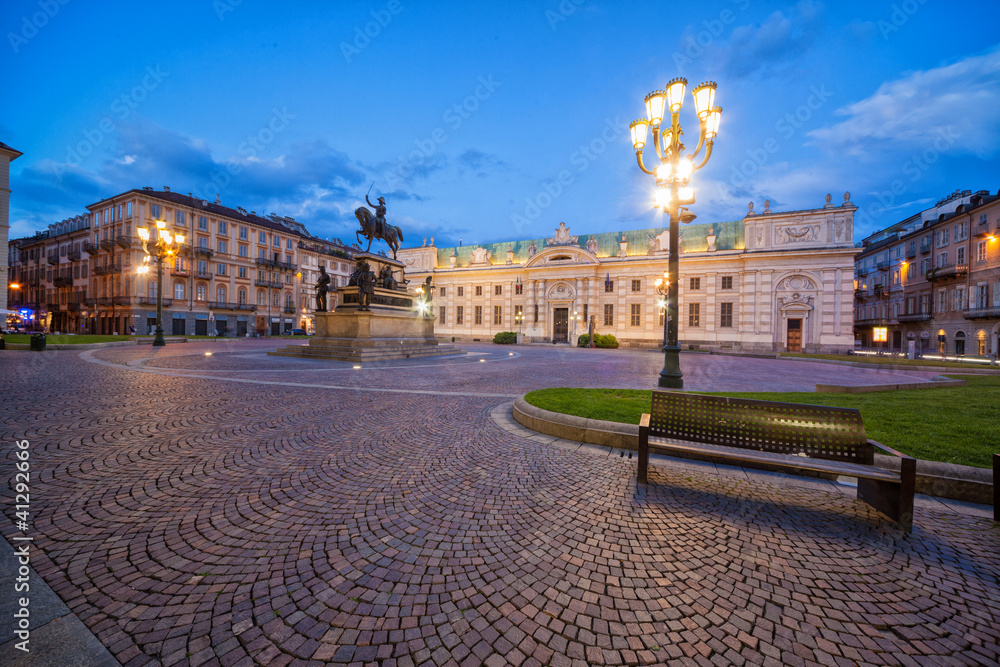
{"points": [[196, 520]]}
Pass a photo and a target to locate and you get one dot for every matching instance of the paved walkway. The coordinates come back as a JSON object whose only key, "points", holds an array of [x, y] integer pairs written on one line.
{"points": [[239, 509]]}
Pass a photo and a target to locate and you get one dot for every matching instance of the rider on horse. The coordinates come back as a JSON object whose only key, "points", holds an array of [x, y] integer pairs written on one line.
{"points": [[379, 216]]}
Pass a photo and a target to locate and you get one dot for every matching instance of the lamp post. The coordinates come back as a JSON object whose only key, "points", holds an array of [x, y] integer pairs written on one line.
{"points": [[662, 290], [519, 318], [158, 244], [674, 193]]}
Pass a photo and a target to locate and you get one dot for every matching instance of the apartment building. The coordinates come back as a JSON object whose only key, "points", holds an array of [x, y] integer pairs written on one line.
{"points": [[933, 280], [7, 155], [237, 272], [771, 281]]}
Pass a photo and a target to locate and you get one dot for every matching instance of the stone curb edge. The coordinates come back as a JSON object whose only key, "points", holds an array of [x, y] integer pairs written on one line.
{"points": [[941, 480]]}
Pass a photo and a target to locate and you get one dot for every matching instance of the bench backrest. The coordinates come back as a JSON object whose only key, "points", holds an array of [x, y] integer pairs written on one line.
{"points": [[817, 431]]}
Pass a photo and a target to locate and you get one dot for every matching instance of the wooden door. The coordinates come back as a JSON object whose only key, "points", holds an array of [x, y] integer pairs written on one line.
{"points": [[794, 336], [560, 326]]}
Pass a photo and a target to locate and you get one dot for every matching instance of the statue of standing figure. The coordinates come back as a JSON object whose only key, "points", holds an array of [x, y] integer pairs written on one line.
{"points": [[366, 285], [322, 287], [428, 292]]}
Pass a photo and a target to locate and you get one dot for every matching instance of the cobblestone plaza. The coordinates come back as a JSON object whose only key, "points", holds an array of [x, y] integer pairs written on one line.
{"points": [[234, 509]]}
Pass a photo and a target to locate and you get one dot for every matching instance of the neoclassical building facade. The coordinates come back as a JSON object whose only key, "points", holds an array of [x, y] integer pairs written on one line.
{"points": [[773, 281]]}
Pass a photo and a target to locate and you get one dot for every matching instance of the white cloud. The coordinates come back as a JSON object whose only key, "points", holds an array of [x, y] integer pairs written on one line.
{"points": [[911, 112]]}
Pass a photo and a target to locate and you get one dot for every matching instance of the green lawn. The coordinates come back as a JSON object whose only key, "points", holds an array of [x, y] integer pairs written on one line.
{"points": [[952, 425]]}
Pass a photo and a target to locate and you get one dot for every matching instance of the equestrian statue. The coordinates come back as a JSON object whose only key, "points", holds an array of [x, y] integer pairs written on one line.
{"points": [[374, 226]]}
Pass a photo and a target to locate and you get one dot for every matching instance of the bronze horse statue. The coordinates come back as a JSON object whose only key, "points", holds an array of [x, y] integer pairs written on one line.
{"points": [[375, 227]]}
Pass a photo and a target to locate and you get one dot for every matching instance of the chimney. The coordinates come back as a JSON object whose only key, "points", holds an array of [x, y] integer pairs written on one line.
{"points": [[166, 188], [218, 200], [190, 196]]}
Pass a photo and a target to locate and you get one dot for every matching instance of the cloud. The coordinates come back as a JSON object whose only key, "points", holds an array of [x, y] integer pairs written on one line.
{"points": [[481, 163], [913, 112], [777, 42]]}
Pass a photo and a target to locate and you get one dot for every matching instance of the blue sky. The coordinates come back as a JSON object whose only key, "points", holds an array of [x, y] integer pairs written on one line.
{"points": [[465, 114]]}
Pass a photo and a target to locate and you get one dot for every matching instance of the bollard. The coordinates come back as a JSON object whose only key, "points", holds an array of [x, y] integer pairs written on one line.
{"points": [[37, 342]]}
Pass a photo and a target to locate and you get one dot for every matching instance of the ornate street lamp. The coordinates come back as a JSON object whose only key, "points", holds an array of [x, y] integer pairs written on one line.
{"points": [[159, 244], [519, 318], [674, 193]]}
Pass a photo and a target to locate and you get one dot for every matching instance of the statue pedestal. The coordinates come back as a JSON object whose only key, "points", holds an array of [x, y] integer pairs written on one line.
{"points": [[392, 329]]}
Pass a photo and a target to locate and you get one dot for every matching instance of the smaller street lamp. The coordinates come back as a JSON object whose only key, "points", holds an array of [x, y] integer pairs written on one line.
{"points": [[662, 286], [159, 244], [519, 318]]}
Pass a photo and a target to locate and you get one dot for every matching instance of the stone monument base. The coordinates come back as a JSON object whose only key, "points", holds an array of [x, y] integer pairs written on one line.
{"points": [[390, 330]]}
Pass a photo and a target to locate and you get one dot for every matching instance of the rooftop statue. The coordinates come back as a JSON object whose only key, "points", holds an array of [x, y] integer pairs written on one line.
{"points": [[562, 236]]}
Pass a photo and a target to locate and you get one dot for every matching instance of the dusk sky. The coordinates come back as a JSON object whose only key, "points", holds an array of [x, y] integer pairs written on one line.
{"points": [[464, 114]]}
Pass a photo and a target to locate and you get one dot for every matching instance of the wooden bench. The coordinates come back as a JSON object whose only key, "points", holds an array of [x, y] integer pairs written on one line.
{"points": [[778, 436]]}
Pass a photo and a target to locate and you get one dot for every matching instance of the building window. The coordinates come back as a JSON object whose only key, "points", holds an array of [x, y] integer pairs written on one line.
{"points": [[241, 297], [939, 304], [288, 259], [441, 291], [220, 269], [203, 243], [960, 255], [895, 277], [981, 296], [128, 208], [536, 313], [261, 253], [202, 266], [636, 285], [223, 228], [179, 218], [609, 315], [458, 314], [243, 233], [479, 290], [179, 291], [262, 238], [636, 320], [242, 272], [518, 288], [695, 283], [260, 299], [727, 282], [202, 223], [942, 259], [959, 302], [586, 315], [288, 244], [155, 211], [461, 291], [441, 314], [202, 293], [981, 251], [220, 294], [244, 250], [497, 290], [497, 315], [726, 315], [943, 238], [277, 241], [925, 265], [223, 247], [694, 314], [609, 285], [478, 315]]}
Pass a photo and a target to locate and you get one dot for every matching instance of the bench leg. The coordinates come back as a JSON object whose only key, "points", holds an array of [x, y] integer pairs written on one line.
{"points": [[894, 499], [643, 456]]}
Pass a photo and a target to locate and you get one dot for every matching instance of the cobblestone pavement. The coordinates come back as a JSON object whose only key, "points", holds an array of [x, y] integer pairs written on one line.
{"points": [[239, 509]]}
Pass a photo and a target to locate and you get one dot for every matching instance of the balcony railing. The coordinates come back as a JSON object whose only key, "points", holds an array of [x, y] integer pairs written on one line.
{"points": [[982, 229], [882, 266], [105, 269], [977, 313], [869, 322], [914, 317], [53, 306], [201, 250], [74, 255], [204, 275], [229, 305], [925, 248], [174, 271], [53, 258], [123, 241], [282, 266], [122, 300], [62, 281], [73, 306], [151, 301], [947, 271], [275, 284], [911, 252], [862, 272], [90, 248], [108, 244], [290, 310]]}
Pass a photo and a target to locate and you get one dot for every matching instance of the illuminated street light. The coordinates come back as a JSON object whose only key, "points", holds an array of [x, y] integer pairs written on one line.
{"points": [[158, 244], [674, 192]]}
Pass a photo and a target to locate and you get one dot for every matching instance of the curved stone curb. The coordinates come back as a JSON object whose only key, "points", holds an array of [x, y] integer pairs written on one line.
{"points": [[870, 388], [68, 346], [941, 480]]}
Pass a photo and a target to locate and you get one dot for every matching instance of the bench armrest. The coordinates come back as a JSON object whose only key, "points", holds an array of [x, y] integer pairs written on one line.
{"points": [[888, 450], [644, 420]]}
